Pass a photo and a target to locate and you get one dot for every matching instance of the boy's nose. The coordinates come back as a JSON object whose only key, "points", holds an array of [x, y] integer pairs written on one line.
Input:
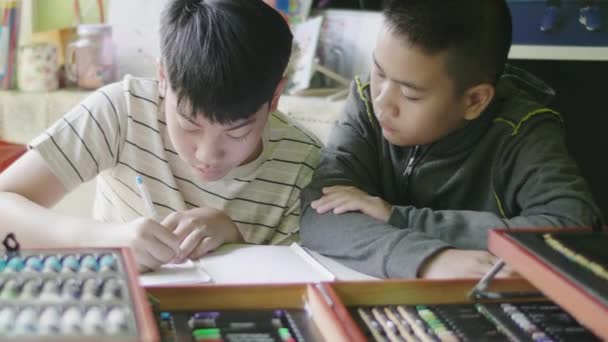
{"points": [[209, 153], [384, 102], [385, 109]]}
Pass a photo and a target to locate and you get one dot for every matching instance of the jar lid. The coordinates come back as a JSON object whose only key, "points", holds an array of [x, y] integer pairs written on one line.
{"points": [[90, 29]]}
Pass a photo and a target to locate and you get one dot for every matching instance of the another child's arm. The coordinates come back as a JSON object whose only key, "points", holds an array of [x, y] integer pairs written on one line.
{"points": [[342, 199], [456, 263], [28, 189], [446, 263]]}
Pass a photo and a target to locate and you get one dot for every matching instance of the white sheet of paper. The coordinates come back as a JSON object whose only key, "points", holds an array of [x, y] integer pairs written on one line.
{"points": [[252, 264], [244, 264], [175, 274]]}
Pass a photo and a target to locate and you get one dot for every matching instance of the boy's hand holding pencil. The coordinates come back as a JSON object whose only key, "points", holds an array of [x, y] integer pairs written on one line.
{"points": [[180, 236], [152, 243], [201, 230]]}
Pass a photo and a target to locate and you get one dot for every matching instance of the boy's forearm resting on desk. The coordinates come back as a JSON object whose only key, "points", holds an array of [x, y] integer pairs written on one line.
{"points": [[466, 229], [412, 236], [365, 243], [37, 226]]}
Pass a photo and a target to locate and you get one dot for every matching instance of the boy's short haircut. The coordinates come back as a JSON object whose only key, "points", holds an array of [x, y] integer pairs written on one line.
{"points": [[476, 34], [223, 58]]}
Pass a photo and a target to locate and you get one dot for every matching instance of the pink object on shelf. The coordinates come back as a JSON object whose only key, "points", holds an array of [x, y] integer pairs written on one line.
{"points": [[91, 59]]}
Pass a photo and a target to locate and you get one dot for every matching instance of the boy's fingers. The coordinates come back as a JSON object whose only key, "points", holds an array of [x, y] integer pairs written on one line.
{"points": [[183, 230], [346, 204], [167, 238], [325, 207], [329, 202], [147, 261], [339, 201], [340, 210], [191, 242], [163, 253], [346, 207], [160, 251], [328, 198], [207, 245], [319, 205], [321, 210], [171, 221]]}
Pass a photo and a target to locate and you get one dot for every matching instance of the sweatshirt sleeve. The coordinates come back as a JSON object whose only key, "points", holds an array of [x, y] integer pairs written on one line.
{"points": [[537, 184], [352, 157]]}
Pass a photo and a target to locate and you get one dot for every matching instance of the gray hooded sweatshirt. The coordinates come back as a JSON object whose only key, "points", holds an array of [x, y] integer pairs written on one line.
{"points": [[509, 168]]}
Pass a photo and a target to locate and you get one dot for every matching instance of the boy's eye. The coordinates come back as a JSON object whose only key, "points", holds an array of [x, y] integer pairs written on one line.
{"points": [[407, 94], [238, 137], [188, 127]]}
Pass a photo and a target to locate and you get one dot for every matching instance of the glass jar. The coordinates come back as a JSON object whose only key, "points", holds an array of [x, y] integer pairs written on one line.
{"points": [[91, 58]]}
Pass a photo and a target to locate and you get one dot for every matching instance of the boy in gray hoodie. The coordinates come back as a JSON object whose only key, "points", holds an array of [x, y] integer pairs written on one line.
{"points": [[440, 145]]}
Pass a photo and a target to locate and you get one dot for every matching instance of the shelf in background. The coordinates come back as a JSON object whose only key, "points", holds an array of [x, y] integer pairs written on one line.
{"points": [[570, 42], [563, 53]]}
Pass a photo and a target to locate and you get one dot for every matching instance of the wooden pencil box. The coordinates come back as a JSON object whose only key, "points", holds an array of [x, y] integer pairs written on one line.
{"points": [[327, 310], [567, 265], [76, 294]]}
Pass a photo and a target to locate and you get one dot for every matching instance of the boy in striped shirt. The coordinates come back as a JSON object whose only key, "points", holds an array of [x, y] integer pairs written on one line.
{"points": [[220, 163]]}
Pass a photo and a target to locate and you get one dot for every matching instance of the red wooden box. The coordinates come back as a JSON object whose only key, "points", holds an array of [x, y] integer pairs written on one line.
{"points": [[560, 287], [9, 152]]}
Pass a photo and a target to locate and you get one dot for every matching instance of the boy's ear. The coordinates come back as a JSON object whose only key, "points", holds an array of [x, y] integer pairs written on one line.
{"points": [[477, 99], [274, 104], [162, 79]]}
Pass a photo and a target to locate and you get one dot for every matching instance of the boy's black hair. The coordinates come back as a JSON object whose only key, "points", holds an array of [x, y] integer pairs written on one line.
{"points": [[223, 58], [476, 34]]}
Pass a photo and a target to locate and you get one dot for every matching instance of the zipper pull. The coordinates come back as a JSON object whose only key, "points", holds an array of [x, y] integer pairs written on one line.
{"points": [[410, 163]]}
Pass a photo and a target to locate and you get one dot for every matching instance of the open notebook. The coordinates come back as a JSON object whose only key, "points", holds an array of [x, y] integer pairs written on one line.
{"points": [[238, 264]]}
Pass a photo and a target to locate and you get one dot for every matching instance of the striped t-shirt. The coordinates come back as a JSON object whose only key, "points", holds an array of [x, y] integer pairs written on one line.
{"points": [[120, 131]]}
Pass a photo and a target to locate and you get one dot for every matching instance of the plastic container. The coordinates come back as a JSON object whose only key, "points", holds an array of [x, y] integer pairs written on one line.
{"points": [[91, 58]]}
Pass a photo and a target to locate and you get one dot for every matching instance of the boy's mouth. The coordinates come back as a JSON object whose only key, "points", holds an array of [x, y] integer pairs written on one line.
{"points": [[387, 128], [209, 172]]}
